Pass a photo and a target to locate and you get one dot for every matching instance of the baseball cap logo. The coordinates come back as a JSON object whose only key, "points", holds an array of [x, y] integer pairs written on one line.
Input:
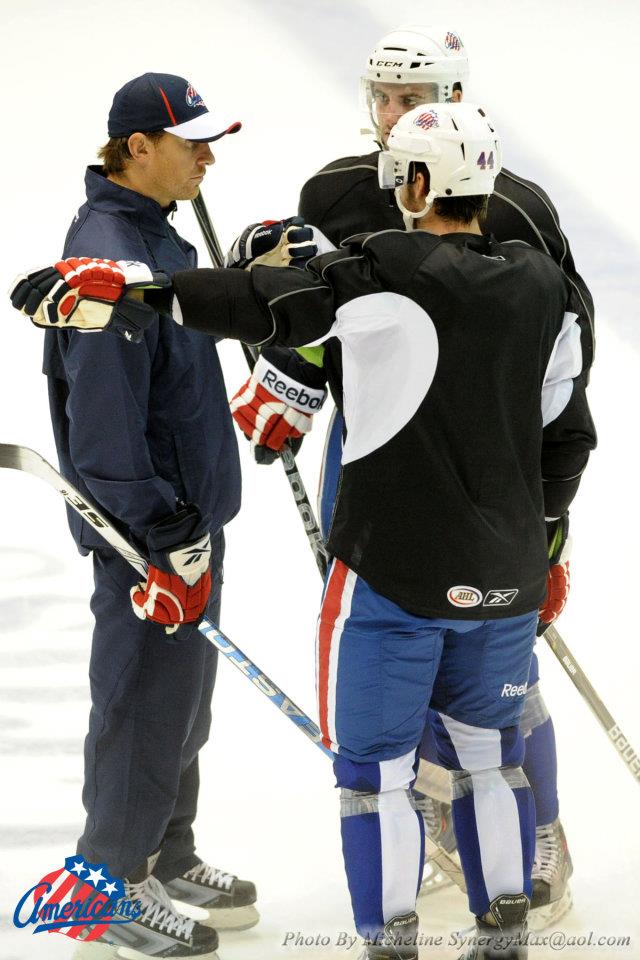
{"points": [[193, 97]]}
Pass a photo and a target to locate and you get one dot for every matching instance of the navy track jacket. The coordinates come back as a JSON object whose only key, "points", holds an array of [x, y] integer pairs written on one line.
{"points": [[139, 427]]}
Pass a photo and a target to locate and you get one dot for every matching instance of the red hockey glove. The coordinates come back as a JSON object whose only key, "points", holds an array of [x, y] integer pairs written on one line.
{"points": [[179, 577], [274, 243], [89, 294], [558, 579], [272, 408]]}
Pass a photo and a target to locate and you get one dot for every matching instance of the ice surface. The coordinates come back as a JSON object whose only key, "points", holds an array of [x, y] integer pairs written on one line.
{"points": [[559, 79]]}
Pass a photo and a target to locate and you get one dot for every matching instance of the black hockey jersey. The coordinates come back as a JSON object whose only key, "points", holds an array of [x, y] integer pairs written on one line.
{"points": [[344, 199], [462, 389]]}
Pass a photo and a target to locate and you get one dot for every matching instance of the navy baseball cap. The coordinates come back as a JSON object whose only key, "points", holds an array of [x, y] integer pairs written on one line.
{"points": [[162, 101]]}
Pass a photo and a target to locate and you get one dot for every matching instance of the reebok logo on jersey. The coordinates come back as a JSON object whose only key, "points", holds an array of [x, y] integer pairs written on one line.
{"points": [[464, 596], [513, 690], [500, 598]]}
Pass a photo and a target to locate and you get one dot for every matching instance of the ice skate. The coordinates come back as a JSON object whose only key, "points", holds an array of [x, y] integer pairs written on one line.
{"points": [[438, 824], [505, 939], [160, 931], [398, 942], [552, 867], [228, 900]]}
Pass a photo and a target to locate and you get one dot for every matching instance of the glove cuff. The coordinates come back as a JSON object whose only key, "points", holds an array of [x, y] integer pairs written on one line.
{"points": [[180, 544], [297, 395]]}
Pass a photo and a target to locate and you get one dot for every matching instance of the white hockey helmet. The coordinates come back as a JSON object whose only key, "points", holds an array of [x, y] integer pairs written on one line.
{"points": [[458, 144], [429, 59]]}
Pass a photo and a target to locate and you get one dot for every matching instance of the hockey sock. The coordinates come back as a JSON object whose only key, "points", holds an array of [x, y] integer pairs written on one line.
{"points": [[540, 760], [494, 819]]}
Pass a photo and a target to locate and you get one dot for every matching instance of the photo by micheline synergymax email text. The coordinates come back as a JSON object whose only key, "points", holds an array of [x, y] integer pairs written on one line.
{"points": [[557, 940]]}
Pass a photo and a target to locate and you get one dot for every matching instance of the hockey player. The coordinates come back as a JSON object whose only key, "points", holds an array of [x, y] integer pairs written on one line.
{"points": [[462, 393], [145, 431], [412, 65]]}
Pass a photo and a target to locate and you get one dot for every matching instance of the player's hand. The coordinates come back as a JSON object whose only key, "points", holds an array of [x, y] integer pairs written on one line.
{"points": [[273, 243], [179, 576], [271, 408], [558, 579], [89, 294]]}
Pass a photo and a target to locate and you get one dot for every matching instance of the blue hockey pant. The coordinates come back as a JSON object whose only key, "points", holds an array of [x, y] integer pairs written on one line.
{"points": [[379, 669]]}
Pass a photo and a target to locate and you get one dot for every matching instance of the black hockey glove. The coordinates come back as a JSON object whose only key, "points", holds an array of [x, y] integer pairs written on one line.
{"points": [[273, 243]]}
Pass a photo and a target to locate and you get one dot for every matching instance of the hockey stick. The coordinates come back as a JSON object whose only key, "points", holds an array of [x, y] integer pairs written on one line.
{"points": [[251, 354], [28, 461], [577, 676]]}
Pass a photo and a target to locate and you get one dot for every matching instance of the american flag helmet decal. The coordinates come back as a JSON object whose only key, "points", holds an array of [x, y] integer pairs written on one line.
{"points": [[452, 41], [427, 120]]}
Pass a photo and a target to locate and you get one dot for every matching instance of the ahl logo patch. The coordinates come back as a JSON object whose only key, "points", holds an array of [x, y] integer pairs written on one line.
{"points": [[193, 97], [464, 596], [500, 598], [80, 899]]}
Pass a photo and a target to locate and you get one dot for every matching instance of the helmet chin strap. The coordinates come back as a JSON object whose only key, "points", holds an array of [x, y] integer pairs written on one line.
{"points": [[410, 216]]}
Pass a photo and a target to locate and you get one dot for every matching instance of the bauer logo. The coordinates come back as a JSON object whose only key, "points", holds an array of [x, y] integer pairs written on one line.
{"points": [[500, 598], [193, 97], [79, 900], [464, 596]]}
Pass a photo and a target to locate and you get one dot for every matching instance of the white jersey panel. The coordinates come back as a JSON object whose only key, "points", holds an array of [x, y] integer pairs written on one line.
{"points": [[565, 363], [389, 359]]}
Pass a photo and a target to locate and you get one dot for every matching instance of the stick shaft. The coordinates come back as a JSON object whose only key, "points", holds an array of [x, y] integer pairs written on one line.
{"points": [[580, 681]]}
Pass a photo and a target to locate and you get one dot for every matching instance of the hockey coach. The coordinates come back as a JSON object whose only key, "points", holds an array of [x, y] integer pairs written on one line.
{"points": [[144, 429]]}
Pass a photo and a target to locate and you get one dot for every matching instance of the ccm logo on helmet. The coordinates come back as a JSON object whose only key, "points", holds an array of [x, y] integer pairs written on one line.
{"points": [[292, 394], [464, 596], [388, 63]]}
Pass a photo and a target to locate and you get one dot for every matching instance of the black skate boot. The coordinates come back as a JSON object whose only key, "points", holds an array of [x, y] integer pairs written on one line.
{"points": [[552, 867], [506, 938], [228, 900], [398, 942], [160, 931]]}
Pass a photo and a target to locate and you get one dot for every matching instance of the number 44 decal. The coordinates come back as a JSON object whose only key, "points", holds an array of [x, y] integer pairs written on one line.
{"points": [[484, 162]]}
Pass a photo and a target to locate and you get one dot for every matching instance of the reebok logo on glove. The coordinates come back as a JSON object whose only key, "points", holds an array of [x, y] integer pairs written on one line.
{"points": [[296, 395]]}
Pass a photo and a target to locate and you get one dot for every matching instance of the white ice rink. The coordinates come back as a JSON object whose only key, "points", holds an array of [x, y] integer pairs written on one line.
{"points": [[560, 79]]}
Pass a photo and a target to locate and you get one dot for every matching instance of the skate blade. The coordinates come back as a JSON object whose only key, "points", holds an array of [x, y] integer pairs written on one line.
{"points": [[126, 953], [232, 918], [543, 917], [95, 951], [435, 882]]}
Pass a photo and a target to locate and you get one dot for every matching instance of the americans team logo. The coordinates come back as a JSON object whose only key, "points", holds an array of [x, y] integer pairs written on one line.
{"points": [[80, 899], [193, 97], [452, 41], [427, 120]]}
